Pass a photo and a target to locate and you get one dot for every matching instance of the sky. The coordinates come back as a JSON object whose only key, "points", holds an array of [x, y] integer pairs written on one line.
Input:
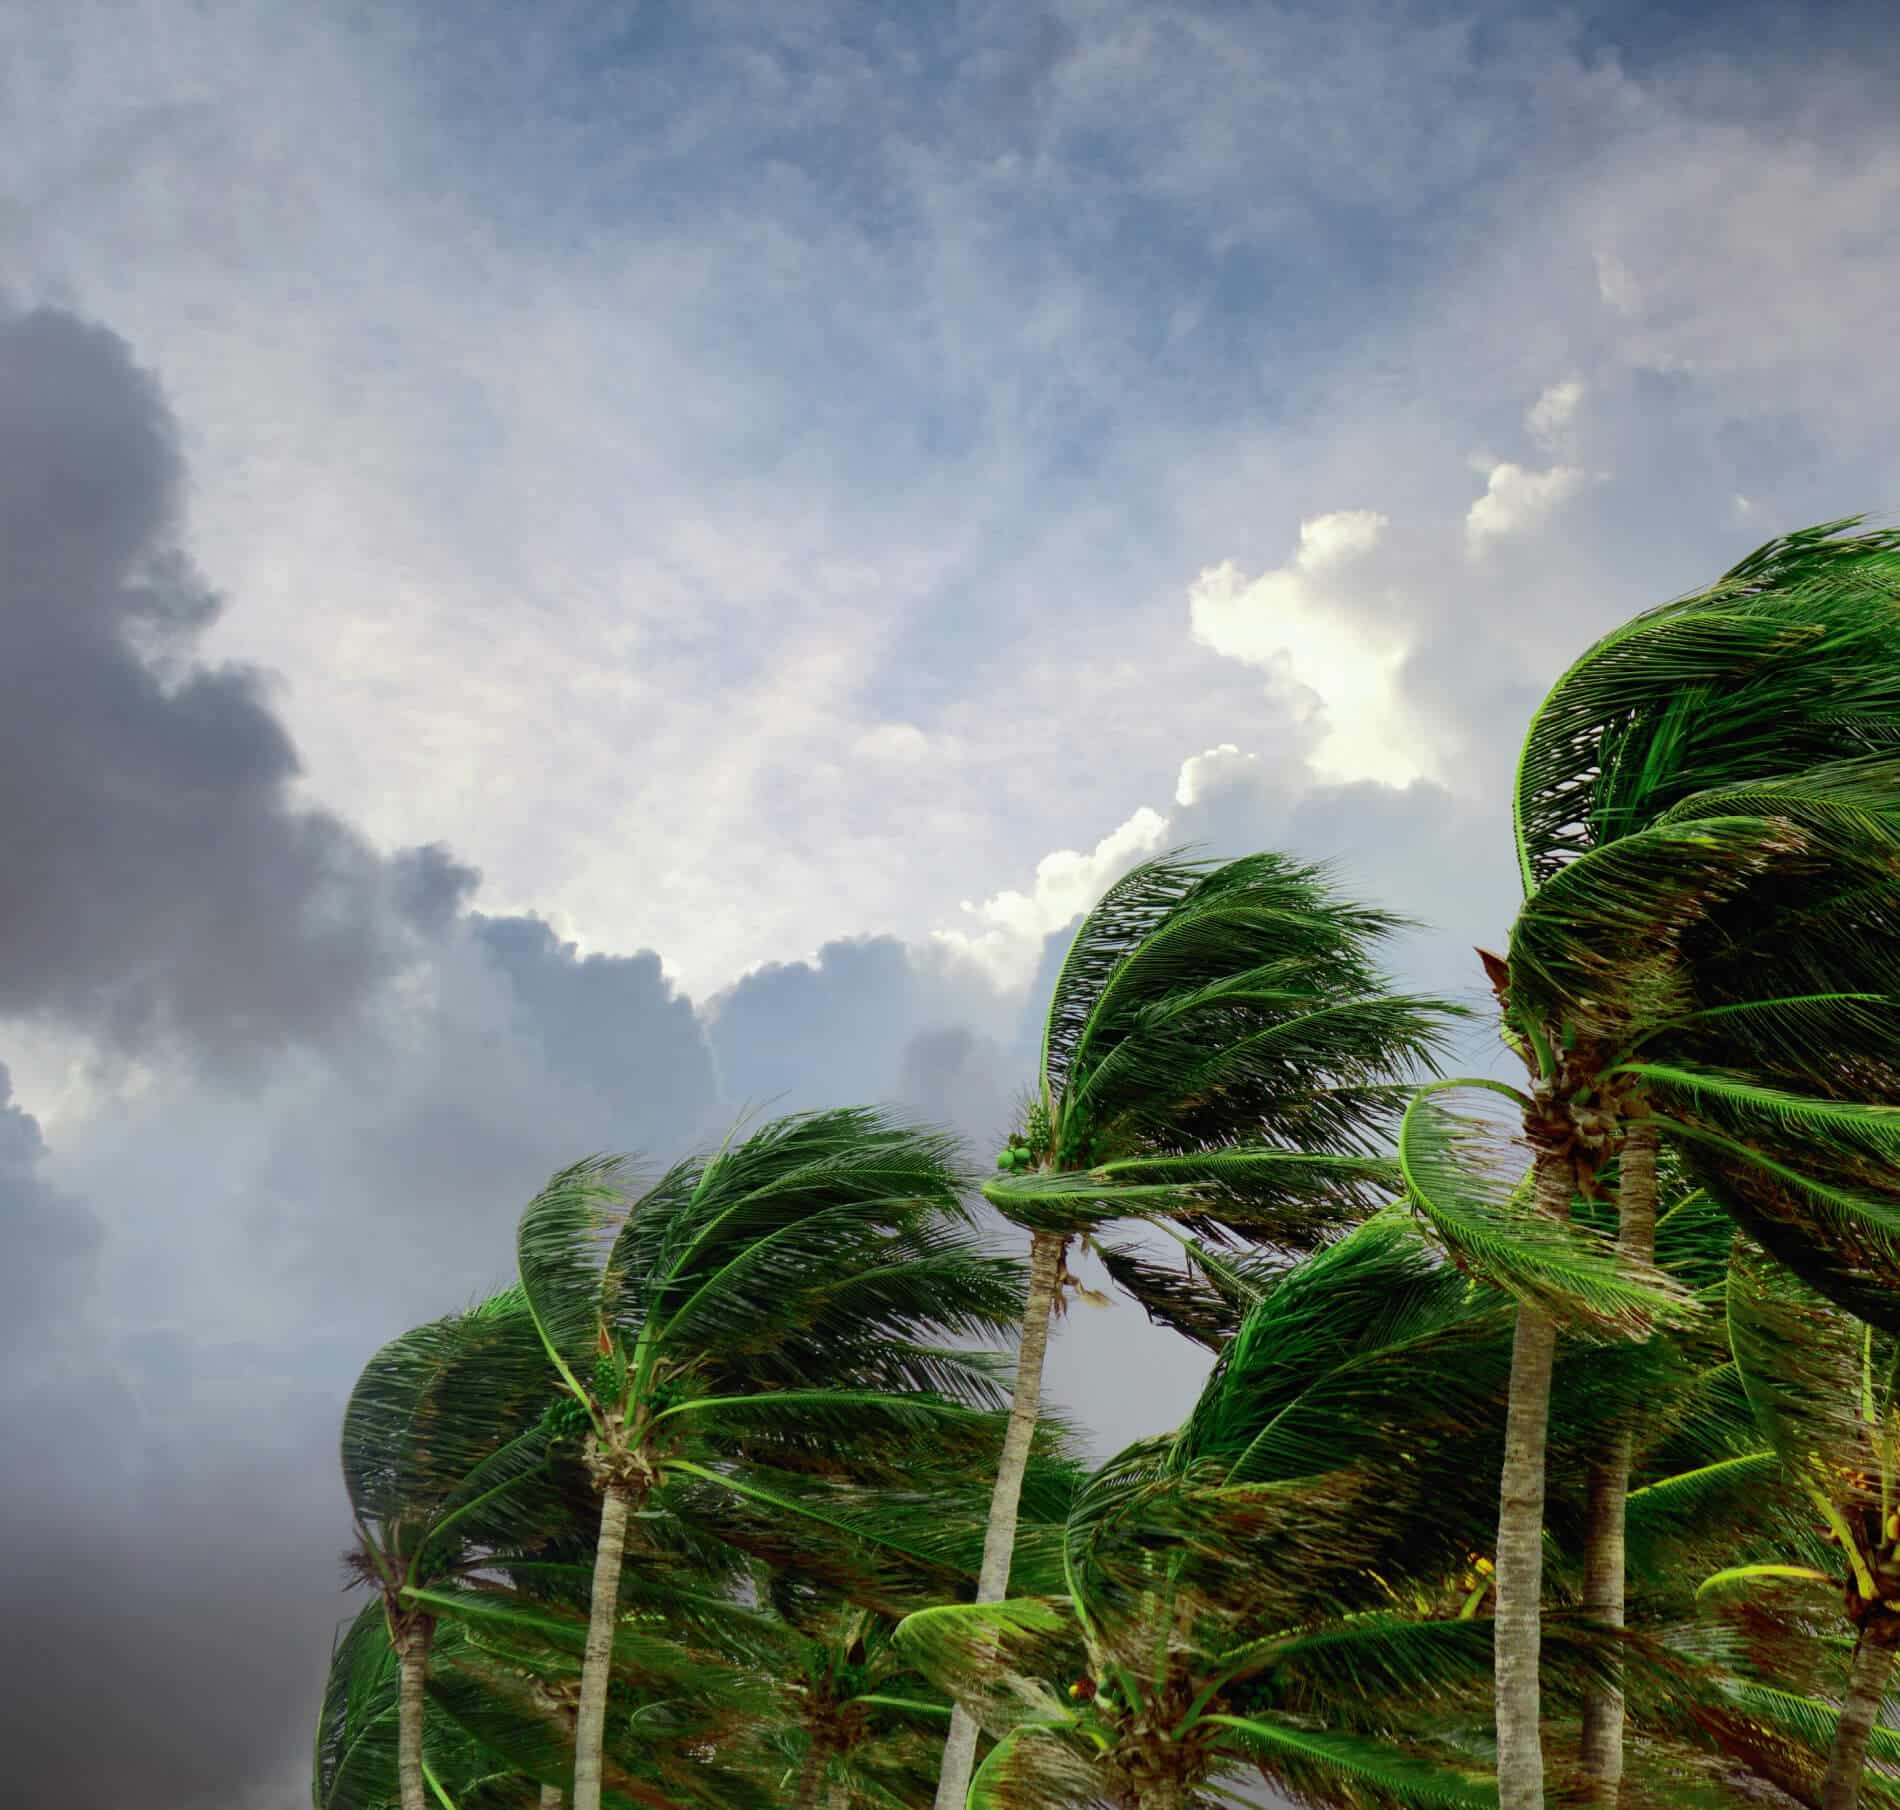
{"points": [[570, 570]]}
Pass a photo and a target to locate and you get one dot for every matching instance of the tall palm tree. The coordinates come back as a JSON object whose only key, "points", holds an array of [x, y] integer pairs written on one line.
{"points": [[1220, 1051], [444, 1431], [1244, 1597], [785, 1302], [1705, 815]]}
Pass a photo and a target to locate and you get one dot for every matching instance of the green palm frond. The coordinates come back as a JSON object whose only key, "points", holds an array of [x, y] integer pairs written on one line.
{"points": [[1468, 1175], [988, 1650], [1708, 1491], [1034, 1767], [1230, 1012], [429, 1405], [355, 1762], [1304, 1387], [1622, 911], [1125, 916], [564, 1238], [1737, 1576], [1783, 663], [1294, 1195], [1800, 1361], [1812, 1722], [1322, 1767]]}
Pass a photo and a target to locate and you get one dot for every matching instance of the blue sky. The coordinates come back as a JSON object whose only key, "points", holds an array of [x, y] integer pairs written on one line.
{"points": [[747, 517]]}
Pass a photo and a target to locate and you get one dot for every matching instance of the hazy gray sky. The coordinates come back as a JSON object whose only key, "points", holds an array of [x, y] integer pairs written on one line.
{"points": [[564, 569]]}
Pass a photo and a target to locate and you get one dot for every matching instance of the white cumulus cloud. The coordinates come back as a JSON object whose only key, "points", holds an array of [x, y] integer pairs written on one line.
{"points": [[1289, 623], [1516, 499], [1012, 924], [1210, 770]]}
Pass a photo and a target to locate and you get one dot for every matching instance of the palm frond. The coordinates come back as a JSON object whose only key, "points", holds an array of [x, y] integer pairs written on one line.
{"points": [[1468, 1175], [1316, 1764], [436, 1401], [1781, 664], [561, 1247]]}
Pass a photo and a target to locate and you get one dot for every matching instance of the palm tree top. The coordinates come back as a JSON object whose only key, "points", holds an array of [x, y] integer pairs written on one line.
{"points": [[1786, 662]]}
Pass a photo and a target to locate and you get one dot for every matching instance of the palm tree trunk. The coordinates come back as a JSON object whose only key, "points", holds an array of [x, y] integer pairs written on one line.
{"points": [[1603, 1557], [810, 1777], [603, 1612], [1518, 1631], [840, 1798], [1866, 1686], [999, 1539], [413, 1653]]}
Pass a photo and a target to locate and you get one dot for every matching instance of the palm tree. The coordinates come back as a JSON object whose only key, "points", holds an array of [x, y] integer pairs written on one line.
{"points": [[1222, 1052], [1821, 1386], [782, 1302], [1262, 1592], [356, 1764], [445, 1429], [1705, 815]]}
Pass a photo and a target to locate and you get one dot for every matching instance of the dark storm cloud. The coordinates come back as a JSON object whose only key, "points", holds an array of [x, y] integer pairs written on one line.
{"points": [[171, 1588], [157, 876], [356, 1082], [610, 1024], [819, 1033], [956, 1077]]}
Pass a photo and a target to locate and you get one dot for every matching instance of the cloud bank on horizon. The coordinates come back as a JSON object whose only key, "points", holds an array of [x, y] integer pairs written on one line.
{"points": [[575, 569]]}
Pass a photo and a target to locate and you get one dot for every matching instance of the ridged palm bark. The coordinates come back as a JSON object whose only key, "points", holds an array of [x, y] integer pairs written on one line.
{"points": [[1867, 1681], [1605, 1565]]}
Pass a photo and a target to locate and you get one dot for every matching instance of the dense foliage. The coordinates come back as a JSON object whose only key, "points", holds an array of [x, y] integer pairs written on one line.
{"points": [[1550, 1452]]}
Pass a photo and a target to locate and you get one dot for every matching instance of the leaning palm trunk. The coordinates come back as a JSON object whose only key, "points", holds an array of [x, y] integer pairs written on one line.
{"points": [[1866, 1686], [999, 1539], [1603, 1556], [603, 1612], [1520, 1557], [413, 1649]]}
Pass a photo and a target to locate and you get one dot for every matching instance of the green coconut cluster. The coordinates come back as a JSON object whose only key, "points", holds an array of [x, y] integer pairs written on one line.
{"points": [[1025, 1147]]}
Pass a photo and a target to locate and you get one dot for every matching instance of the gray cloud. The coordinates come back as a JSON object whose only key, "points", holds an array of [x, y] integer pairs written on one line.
{"points": [[160, 879], [49, 1238]]}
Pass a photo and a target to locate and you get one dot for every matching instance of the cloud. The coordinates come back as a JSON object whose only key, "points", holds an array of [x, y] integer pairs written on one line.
{"points": [[50, 1239], [1210, 771], [1550, 414], [1288, 622], [900, 742], [1515, 501], [1014, 923], [164, 879]]}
